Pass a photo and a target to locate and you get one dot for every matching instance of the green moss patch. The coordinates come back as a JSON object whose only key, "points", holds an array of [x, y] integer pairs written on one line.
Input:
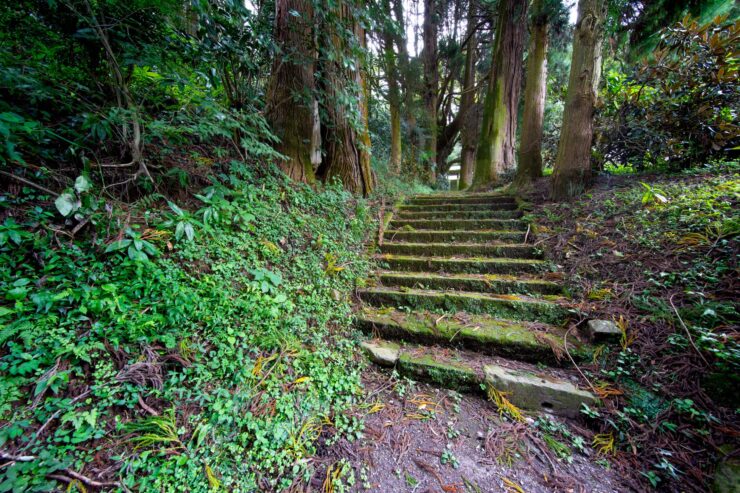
{"points": [[460, 224], [456, 375], [471, 265], [442, 235], [482, 283], [501, 306], [525, 341], [470, 249], [425, 213]]}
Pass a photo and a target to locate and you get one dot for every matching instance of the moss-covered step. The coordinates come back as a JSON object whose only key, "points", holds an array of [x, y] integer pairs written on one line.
{"points": [[461, 249], [503, 206], [443, 370], [525, 341], [537, 391], [470, 265], [458, 224], [480, 283], [471, 214], [512, 307], [472, 199], [439, 236], [382, 353]]}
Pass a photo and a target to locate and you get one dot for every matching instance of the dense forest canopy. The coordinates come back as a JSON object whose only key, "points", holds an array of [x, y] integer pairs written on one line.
{"points": [[188, 189]]}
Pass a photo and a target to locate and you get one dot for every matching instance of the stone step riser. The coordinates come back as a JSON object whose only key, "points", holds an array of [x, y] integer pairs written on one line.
{"points": [[461, 266], [460, 200], [528, 351], [457, 207], [405, 214], [509, 309], [525, 389], [459, 224], [469, 250], [437, 236], [471, 284]]}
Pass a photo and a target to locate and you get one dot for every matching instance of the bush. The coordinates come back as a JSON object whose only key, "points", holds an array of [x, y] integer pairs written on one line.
{"points": [[680, 107]]}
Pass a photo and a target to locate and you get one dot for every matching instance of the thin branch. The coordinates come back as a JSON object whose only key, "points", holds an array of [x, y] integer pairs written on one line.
{"points": [[685, 328], [29, 183]]}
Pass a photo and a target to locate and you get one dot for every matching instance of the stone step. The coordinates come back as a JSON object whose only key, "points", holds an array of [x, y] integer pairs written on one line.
{"points": [[460, 199], [511, 307], [503, 206], [470, 265], [480, 283], [525, 386], [458, 224], [461, 249], [525, 341], [472, 214], [437, 236]]}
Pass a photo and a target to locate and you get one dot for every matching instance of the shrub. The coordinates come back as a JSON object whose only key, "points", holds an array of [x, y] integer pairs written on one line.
{"points": [[681, 106]]}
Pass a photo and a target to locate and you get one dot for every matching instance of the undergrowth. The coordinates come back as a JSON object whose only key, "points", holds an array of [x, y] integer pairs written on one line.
{"points": [[178, 348], [658, 255]]}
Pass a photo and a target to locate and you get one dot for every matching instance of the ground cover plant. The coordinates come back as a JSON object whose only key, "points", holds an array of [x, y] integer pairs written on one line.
{"points": [[658, 255], [175, 348]]}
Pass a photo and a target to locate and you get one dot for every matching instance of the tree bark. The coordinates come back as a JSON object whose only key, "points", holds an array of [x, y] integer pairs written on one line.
{"points": [[291, 108], [495, 153], [345, 132], [573, 162], [431, 83], [530, 146], [394, 97], [469, 127]]}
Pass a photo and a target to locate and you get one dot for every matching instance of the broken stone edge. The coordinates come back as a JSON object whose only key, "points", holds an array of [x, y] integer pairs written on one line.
{"points": [[524, 389]]}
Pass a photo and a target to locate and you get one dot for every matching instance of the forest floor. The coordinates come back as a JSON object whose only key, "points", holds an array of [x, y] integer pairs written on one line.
{"points": [[658, 255]]}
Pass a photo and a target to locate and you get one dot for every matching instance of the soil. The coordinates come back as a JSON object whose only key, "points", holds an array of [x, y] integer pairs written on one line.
{"points": [[403, 445]]}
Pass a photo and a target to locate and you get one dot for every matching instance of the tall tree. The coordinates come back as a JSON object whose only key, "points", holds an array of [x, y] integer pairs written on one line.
{"points": [[345, 133], [394, 89], [469, 127], [291, 108], [495, 153], [573, 163], [431, 81], [529, 164]]}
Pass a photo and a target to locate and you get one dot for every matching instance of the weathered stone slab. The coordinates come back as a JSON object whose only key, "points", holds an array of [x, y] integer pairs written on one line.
{"points": [[538, 392], [521, 340], [454, 375], [603, 331], [382, 353], [470, 265], [439, 235], [459, 224], [512, 307]]}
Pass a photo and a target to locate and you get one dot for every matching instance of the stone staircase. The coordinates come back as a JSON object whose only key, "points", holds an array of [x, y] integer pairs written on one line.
{"points": [[463, 301]]}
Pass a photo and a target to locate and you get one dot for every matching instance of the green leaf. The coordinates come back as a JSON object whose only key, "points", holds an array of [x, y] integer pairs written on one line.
{"points": [[66, 204], [117, 245], [82, 184]]}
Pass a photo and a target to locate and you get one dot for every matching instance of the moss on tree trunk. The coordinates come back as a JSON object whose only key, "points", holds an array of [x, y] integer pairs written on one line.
{"points": [[495, 154], [530, 147], [573, 163]]}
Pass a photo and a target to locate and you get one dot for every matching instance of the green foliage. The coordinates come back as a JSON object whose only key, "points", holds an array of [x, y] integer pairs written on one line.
{"points": [[234, 336], [680, 107]]}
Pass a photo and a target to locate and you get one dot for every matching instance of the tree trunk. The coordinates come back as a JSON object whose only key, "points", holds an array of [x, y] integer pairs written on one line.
{"points": [[394, 97], [530, 145], [431, 83], [291, 109], [495, 154], [573, 163], [468, 132], [347, 146]]}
